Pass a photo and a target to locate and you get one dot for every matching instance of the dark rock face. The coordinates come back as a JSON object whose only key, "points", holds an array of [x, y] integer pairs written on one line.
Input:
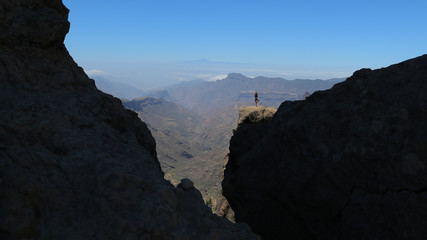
{"points": [[250, 117], [74, 164], [346, 163], [33, 23]]}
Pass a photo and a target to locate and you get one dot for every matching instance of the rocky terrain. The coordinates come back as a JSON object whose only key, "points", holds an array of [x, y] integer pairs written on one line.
{"points": [[346, 163], [74, 164], [248, 115]]}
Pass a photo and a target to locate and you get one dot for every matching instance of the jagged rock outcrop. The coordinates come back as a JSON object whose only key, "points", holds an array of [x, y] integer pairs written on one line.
{"points": [[74, 164], [346, 163], [223, 209], [255, 115]]}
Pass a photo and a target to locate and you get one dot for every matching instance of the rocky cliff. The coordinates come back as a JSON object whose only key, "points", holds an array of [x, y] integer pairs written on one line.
{"points": [[74, 164], [346, 163], [250, 117]]}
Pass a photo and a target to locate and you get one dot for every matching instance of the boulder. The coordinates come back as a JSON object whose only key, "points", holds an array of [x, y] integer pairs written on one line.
{"points": [[186, 184]]}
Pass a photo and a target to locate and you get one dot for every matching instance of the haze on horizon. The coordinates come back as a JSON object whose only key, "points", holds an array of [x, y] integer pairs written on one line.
{"points": [[150, 44]]}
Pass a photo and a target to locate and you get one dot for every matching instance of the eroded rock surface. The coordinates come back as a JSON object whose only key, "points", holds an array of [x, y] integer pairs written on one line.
{"points": [[346, 163], [74, 164]]}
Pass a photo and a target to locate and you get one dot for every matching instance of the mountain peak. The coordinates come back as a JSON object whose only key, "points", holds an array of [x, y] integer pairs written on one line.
{"points": [[237, 76]]}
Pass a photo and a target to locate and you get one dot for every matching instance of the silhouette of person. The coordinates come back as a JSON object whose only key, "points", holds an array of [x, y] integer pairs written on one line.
{"points": [[256, 99]]}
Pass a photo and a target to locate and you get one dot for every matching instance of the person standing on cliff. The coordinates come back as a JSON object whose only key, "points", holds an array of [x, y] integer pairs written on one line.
{"points": [[256, 99]]}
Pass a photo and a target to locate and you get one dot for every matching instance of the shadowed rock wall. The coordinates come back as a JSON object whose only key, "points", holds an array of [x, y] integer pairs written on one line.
{"points": [[346, 163], [74, 164]]}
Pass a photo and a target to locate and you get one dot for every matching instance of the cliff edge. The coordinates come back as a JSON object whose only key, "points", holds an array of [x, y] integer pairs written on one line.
{"points": [[254, 115], [74, 164], [253, 118], [346, 163]]}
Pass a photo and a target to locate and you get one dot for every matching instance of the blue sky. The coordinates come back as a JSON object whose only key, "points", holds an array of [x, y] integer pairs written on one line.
{"points": [[146, 43]]}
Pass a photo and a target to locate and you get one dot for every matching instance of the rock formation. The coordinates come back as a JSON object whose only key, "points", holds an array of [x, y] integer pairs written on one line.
{"points": [[249, 117], [74, 164], [255, 115], [346, 163], [223, 209]]}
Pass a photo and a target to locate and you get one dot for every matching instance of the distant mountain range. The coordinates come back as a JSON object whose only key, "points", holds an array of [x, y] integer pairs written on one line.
{"points": [[207, 97]]}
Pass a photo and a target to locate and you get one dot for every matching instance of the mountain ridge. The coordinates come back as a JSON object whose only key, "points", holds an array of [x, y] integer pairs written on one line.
{"points": [[211, 96]]}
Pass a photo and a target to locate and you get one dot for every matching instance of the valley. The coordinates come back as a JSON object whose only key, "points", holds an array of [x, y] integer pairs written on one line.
{"points": [[90, 158], [192, 122]]}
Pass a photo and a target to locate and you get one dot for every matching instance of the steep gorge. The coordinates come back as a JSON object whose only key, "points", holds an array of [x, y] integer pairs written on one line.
{"points": [[192, 140], [74, 164]]}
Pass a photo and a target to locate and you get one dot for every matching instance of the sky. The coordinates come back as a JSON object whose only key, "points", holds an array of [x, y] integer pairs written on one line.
{"points": [[150, 44]]}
